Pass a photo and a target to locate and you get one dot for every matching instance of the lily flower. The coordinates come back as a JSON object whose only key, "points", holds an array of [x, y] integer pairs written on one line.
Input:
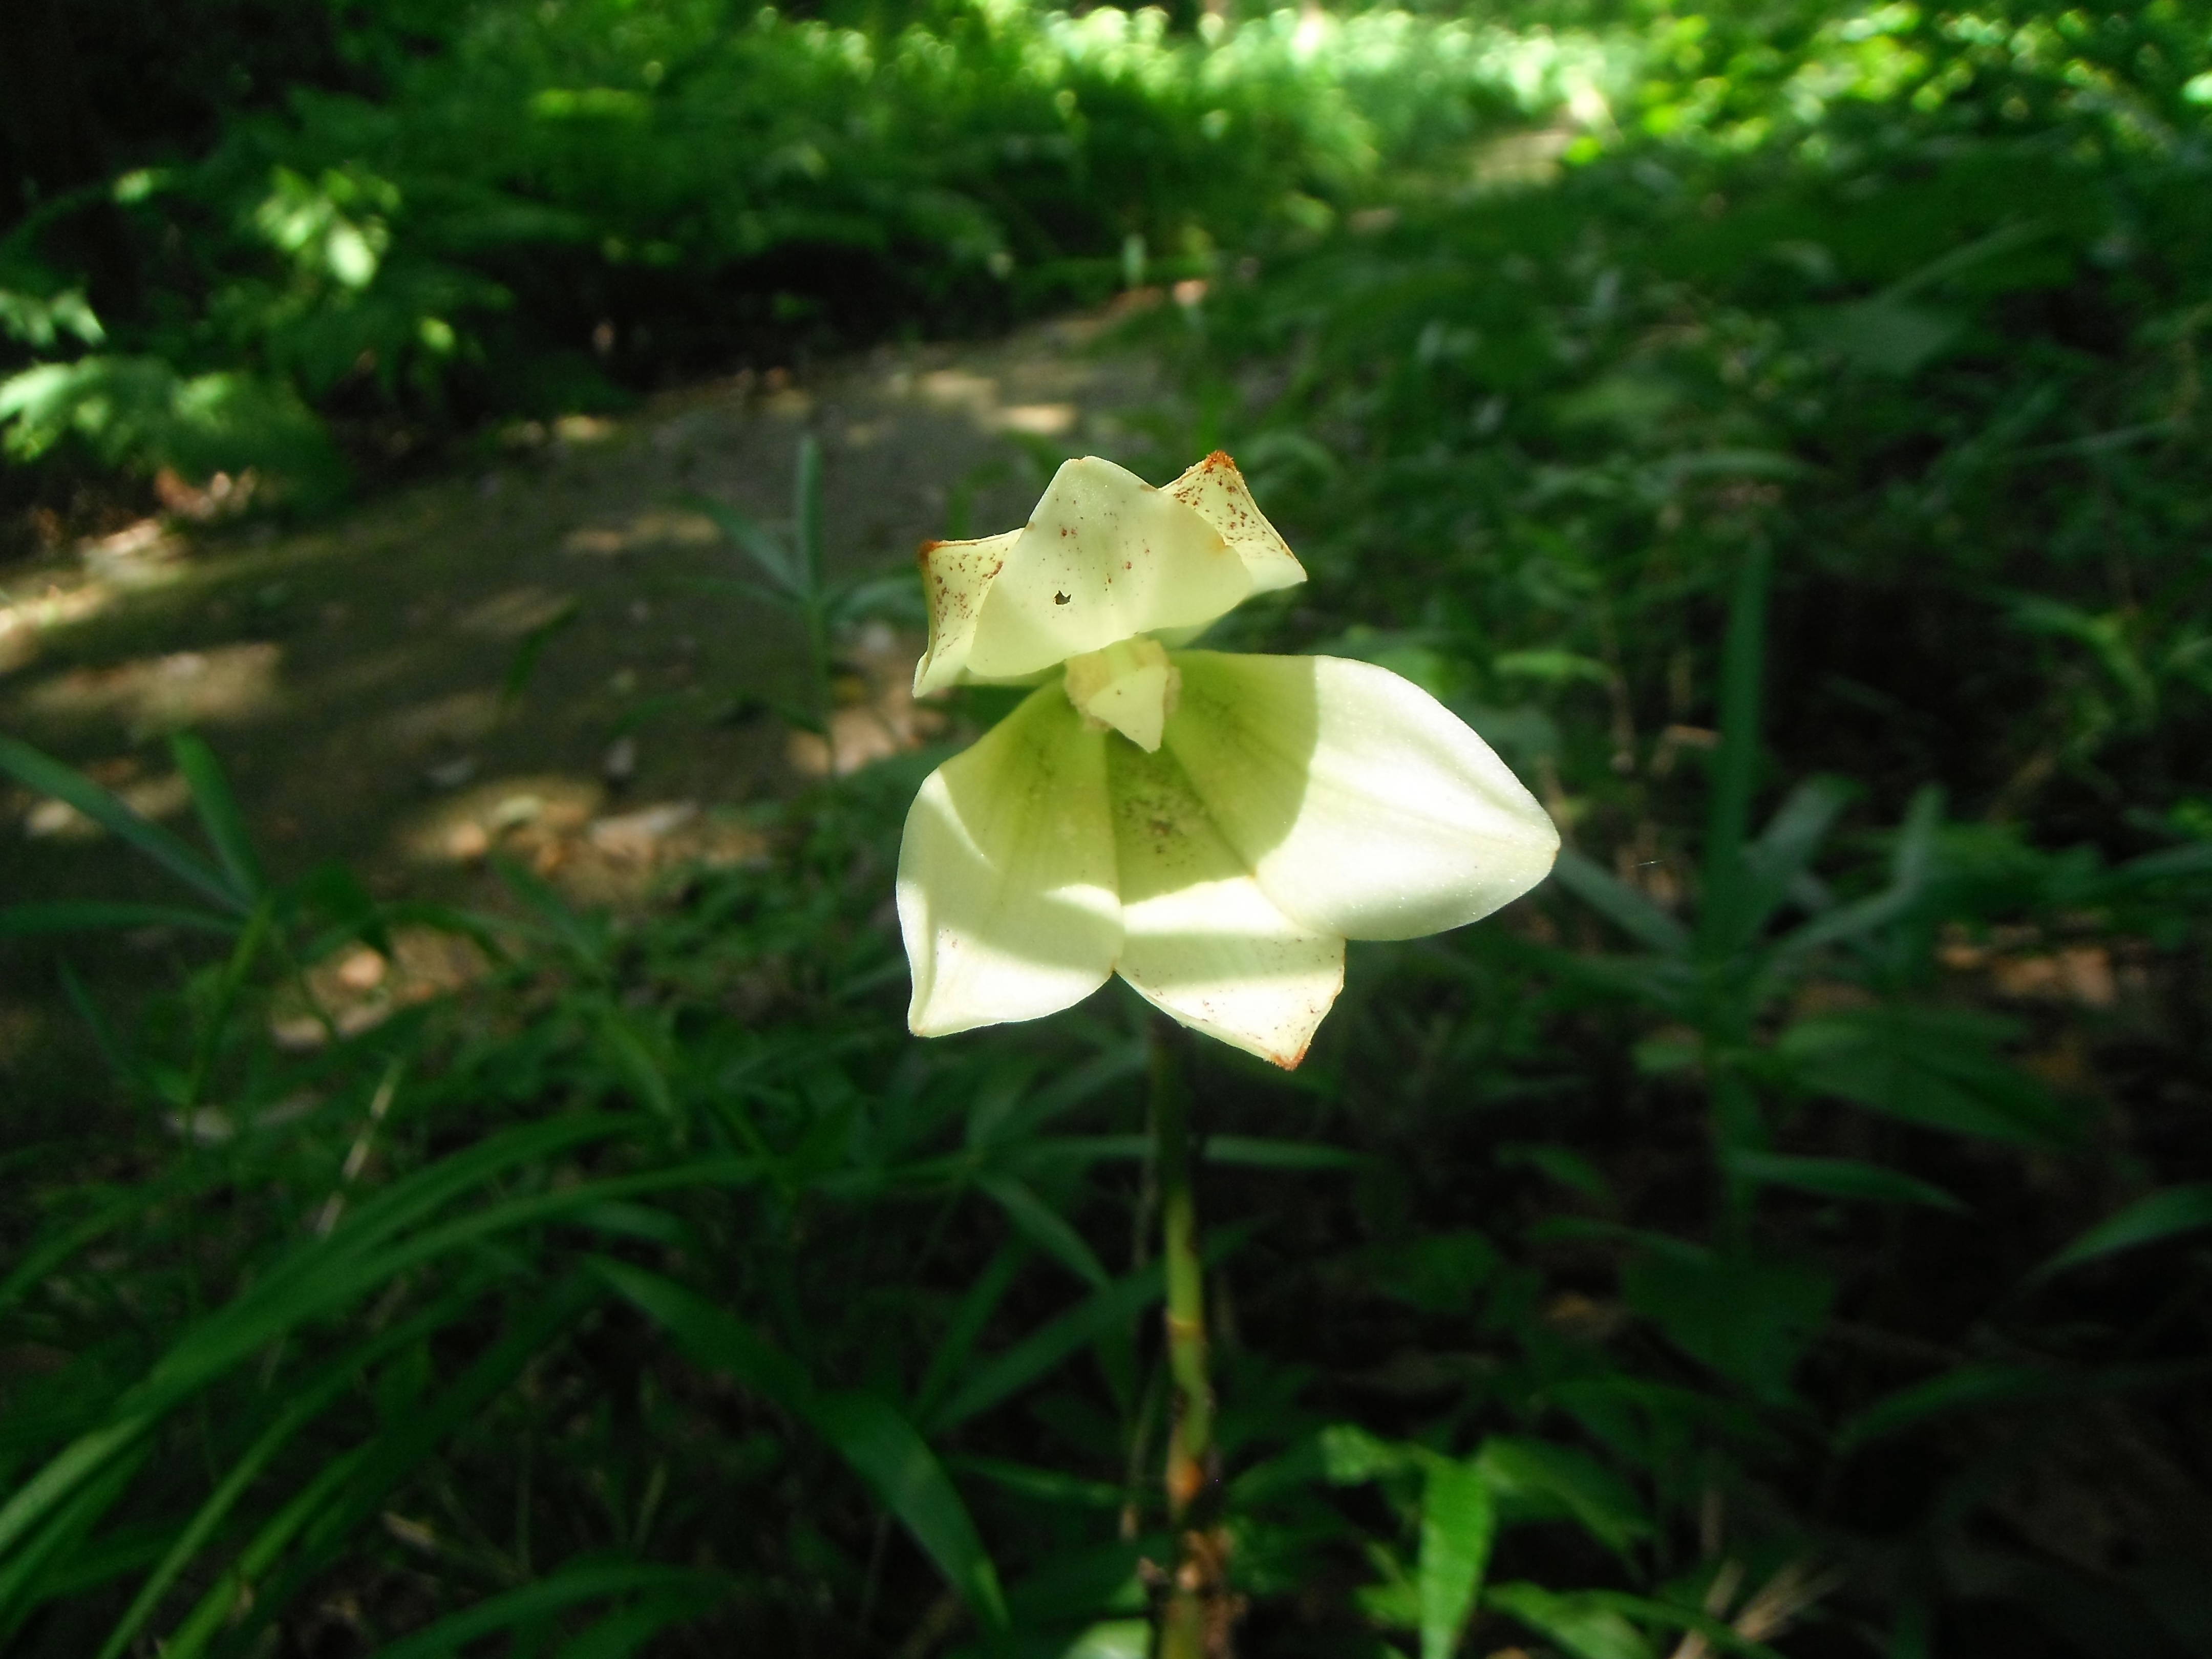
{"points": [[1211, 826]]}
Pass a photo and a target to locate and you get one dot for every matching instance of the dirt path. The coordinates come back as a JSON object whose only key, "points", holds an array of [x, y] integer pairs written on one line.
{"points": [[353, 677]]}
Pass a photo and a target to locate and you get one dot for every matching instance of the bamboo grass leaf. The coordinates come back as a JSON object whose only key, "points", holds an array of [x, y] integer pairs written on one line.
{"points": [[1457, 1521], [48, 776], [1046, 1228], [87, 916], [869, 1433], [218, 812], [2154, 1217], [566, 1586]]}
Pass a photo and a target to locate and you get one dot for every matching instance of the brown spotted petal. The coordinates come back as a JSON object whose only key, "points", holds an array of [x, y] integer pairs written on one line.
{"points": [[1216, 491], [955, 578]]}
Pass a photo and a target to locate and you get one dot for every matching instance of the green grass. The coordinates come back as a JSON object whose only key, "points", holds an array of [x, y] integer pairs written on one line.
{"points": [[1793, 460]]}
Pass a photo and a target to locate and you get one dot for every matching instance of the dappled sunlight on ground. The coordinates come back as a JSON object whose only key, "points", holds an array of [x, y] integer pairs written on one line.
{"points": [[642, 532], [161, 795], [148, 696], [877, 716], [361, 988], [549, 653]]}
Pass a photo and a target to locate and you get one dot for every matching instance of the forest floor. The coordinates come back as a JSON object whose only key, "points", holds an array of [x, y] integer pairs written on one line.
{"points": [[546, 650], [543, 652]]}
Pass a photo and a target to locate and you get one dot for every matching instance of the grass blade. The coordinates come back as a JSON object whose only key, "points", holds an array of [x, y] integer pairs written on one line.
{"points": [[2154, 1217], [1839, 1177], [1620, 904], [871, 1436], [219, 815], [306, 1402], [869, 1433], [1108, 1310], [86, 915], [1960, 1388], [60, 1540], [762, 548], [48, 776], [975, 1311], [1046, 1228], [1580, 1625], [586, 1581], [620, 1634]]}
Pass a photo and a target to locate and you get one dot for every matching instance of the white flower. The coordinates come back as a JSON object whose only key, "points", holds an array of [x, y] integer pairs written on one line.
{"points": [[1212, 827]]}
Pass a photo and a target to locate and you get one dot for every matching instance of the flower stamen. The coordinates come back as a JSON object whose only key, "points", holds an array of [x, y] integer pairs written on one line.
{"points": [[1130, 686]]}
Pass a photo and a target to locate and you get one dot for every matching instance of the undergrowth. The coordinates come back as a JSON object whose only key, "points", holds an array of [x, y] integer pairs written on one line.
{"points": [[1782, 1234]]}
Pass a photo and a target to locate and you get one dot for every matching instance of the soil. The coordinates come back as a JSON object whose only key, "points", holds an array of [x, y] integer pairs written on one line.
{"points": [[547, 653], [561, 626]]}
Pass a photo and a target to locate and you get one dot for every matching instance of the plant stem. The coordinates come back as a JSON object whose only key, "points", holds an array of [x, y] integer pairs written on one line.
{"points": [[1196, 1613]]}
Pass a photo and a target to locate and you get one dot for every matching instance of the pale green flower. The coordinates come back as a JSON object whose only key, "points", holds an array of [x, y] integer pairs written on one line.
{"points": [[1210, 827]]}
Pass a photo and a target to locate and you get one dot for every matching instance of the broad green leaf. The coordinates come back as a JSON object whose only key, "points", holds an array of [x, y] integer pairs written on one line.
{"points": [[2151, 1218], [1749, 1319], [1352, 1456], [1550, 667], [1883, 336], [1457, 1521], [1438, 1273], [1937, 1068], [712, 1336], [1838, 1178], [1536, 1479]]}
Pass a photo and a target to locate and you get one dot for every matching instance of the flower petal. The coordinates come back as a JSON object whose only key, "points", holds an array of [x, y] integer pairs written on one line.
{"points": [[955, 577], [1201, 941], [1216, 491], [1104, 556], [1005, 880], [1361, 805]]}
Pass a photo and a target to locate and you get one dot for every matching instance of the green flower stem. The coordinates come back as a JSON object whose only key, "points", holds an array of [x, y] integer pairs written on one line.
{"points": [[1196, 1611]]}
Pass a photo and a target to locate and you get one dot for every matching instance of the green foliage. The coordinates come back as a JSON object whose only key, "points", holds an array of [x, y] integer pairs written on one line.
{"points": [[539, 204], [1806, 397]]}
